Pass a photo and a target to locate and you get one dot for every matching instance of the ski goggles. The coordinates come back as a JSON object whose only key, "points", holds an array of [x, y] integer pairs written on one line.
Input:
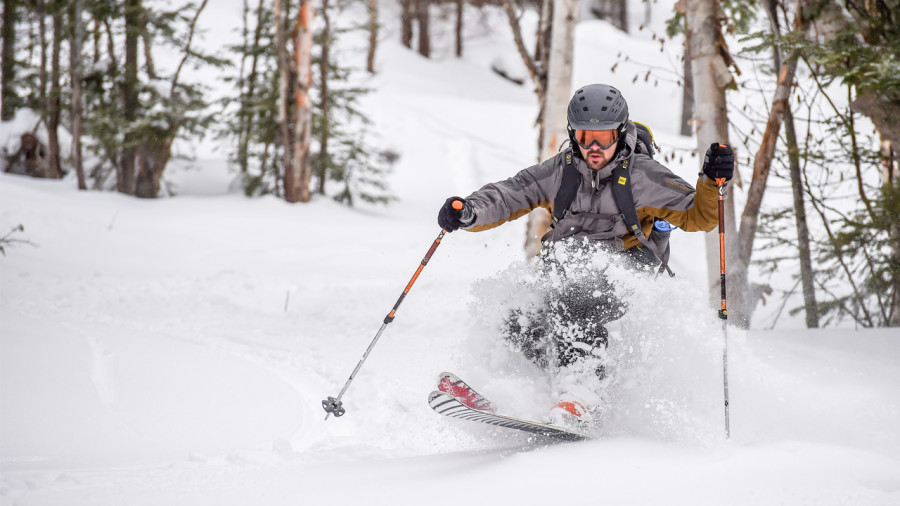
{"points": [[603, 138]]}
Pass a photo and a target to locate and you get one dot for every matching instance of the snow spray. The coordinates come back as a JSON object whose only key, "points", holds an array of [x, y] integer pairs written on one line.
{"points": [[658, 365]]}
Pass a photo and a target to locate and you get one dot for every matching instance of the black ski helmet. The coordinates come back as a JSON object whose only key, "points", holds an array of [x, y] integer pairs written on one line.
{"points": [[596, 107]]}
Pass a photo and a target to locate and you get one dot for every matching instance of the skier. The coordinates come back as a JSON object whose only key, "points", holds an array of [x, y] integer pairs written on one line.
{"points": [[587, 208]]}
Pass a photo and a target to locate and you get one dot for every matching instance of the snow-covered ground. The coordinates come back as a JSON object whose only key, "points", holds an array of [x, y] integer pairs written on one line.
{"points": [[176, 351]]}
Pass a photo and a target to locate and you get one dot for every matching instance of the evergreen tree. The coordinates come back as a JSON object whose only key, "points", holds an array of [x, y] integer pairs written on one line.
{"points": [[341, 151], [251, 117], [854, 214], [131, 111], [852, 189], [344, 154]]}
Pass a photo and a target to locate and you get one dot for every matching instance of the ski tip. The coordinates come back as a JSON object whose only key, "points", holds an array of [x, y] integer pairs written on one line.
{"points": [[435, 394]]}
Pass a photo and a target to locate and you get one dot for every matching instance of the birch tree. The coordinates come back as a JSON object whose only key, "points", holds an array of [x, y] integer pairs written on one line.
{"points": [[553, 50], [711, 77], [556, 99]]}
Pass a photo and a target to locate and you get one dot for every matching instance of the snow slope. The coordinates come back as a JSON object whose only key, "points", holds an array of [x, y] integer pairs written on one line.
{"points": [[176, 351]]}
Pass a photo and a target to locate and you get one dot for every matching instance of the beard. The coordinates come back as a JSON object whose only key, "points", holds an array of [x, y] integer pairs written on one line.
{"points": [[596, 158]]}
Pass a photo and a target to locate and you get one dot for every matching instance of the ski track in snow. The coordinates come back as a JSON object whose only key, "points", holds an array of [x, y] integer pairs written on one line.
{"points": [[102, 369]]}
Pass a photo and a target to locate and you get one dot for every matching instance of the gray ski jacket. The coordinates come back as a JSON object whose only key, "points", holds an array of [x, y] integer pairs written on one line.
{"points": [[658, 193]]}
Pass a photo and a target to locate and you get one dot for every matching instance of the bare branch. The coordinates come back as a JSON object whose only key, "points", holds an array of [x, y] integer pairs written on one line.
{"points": [[537, 74], [187, 47]]}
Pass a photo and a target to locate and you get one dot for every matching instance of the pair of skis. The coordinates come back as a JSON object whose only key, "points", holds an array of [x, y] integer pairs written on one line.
{"points": [[456, 399]]}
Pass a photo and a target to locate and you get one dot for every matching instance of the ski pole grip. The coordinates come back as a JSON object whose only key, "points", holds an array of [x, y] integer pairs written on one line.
{"points": [[457, 204]]}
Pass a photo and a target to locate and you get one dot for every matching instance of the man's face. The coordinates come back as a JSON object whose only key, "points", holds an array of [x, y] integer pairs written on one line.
{"points": [[597, 158], [597, 146]]}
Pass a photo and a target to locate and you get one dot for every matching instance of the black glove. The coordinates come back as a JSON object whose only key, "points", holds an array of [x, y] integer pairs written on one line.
{"points": [[719, 161], [450, 218]]}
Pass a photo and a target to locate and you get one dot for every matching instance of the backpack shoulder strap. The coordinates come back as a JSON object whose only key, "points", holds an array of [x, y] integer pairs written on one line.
{"points": [[571, 180], [621, 190]]}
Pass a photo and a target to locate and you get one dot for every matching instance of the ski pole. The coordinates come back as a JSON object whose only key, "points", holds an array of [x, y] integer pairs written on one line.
{"points": [[333, 405], [723, 312]]}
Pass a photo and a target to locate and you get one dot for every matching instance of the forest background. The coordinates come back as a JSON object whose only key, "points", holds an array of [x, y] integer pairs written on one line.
{"points": [[108, 90]]}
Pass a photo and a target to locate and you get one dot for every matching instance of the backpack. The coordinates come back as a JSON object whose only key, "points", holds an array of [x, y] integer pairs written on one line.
{"points": [[621, 190]]}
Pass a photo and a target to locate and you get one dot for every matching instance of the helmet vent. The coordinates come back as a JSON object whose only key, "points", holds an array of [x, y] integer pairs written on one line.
{"points": [[597, 105]]}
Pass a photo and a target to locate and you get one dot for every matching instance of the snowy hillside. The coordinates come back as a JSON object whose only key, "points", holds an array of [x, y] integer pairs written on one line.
{"points": [[176, 351]]}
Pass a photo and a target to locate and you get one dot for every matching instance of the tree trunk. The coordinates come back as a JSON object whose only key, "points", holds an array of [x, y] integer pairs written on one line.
{"points": [[154, 151], [711, 77], [559, 89], [891, 182], [285, 93], [324, 98], [97, 39], [407, 12], [296, 184], [806, 269], [883, 109], [542, 37], [130, 96], [75, 68], [807, 275], [687, 95], [559, 76], [761, 167], [243, 97], [373, 35], [460, 10], [149, 66], [622, 15], [31, 159], [8, 91], [613, 11], [54, 103], [252, 77], [152, 158], [535, 67], [423, 17], [40, 12]]}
